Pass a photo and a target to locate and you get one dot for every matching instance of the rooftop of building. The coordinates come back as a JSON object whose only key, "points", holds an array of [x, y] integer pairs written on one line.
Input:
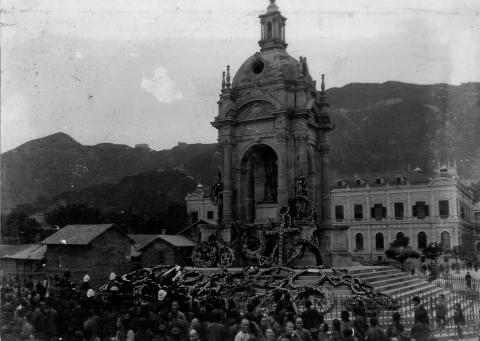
{"points": [[79, 234]]}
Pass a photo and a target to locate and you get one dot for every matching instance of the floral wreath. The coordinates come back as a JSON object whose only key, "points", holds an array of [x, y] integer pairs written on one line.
{"points": [[204, 255]]}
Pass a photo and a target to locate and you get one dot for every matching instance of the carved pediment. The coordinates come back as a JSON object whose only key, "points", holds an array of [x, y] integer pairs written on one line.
{"points": [[255, 109]]}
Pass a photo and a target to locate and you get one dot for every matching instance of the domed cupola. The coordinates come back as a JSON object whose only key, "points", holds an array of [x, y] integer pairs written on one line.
{"points": [[272, 62], [273, 28]]}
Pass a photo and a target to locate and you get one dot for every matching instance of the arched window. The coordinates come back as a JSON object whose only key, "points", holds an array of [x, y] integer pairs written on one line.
{"points": [[269, 30], [379, 241], [445, 240], [400, 236], [422, 240], [359, 242]]}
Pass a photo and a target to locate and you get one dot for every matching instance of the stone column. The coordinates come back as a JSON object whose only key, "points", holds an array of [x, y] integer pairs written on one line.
{"points": [[227, 180], [302, 153], [282, 192], [324, 148]]}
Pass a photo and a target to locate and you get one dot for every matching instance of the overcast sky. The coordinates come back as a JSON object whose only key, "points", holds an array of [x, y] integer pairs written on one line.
{"points": [[149, 71]]}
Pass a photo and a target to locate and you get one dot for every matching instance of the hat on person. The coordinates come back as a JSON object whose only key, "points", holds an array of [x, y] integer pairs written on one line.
{"points": [[161, 294]]}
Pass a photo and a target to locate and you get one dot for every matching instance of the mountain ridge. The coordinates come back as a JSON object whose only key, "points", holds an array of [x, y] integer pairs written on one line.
{"points": [[380, 127]]}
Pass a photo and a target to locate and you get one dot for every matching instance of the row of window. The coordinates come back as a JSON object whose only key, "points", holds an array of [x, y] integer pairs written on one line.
{"points": [[378, 211], [194, 215], [421, 240]]}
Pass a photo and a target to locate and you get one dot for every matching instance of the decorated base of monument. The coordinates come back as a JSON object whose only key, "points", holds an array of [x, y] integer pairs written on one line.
{"points": [[262, 287]]}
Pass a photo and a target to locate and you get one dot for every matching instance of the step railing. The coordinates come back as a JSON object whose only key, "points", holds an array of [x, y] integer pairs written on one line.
{"points": [[469, 302]]}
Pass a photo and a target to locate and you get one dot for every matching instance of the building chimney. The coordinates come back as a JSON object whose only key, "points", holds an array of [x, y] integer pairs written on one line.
{"points": [[164, 231]]}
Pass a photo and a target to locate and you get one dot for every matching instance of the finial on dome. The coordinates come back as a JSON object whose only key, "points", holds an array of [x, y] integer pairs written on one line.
{"points": [[272, 7], [228, 77], [322, 86], [223, 80]]}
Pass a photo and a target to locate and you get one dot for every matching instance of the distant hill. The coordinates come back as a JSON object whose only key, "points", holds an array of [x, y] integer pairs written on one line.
{"points": [[379, 128], [394, 126], [143, 203], [42, 168]]}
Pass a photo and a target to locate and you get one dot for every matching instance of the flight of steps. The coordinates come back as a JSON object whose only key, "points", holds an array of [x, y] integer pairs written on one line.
{"points": [[403, 287], [395, 283]]}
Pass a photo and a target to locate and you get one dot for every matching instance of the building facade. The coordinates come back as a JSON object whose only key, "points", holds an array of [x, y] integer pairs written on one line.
{"points": [[423, 208], [272, 126], [201, 207], [93, 249], [476, 217]]}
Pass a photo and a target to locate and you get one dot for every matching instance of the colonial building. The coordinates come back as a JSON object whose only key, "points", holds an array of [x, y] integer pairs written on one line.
{"points": [[425, 208], [201, 207], [476, 217]]}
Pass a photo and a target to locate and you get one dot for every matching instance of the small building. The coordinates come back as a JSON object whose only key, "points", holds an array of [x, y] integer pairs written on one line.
{"points": [[29, 261], [424, 207], [94, 249], [7, 265], [152, 250], [201, 207]]}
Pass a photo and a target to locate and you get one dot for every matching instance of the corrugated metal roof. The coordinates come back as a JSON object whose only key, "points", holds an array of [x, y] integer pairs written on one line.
{"points": [[77, 234], [176, 240], [33, 252]]}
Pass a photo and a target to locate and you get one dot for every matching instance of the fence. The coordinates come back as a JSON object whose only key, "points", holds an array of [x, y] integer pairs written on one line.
{"points": [[453, 282], [469, 302]]}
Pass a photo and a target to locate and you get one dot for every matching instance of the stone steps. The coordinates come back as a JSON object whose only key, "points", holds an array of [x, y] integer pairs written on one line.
{"points": [[396, 285]]}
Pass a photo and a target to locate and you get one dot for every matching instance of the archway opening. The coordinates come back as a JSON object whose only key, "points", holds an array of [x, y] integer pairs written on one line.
{"points": [[259, 183], [359, 242], [379, 242], [445, 240], [422, 240]]}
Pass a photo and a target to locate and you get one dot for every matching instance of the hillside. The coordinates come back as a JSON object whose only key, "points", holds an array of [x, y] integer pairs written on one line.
{"points": [[40, 169], [379, 128], [393, 126]]}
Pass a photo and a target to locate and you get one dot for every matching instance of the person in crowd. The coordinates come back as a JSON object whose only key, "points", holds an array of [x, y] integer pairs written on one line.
{"points": [[270, 335], [468, 280], [348, 335], [374, 332], [303, 334], [244, 333], [273, 323], [336, 334], [458, 319], [360, 324], [193, 335], [345, 319], [216, 331], [322, 332], [311, 318], [441, 311], [395, 329], [125, 333], [420, 313]]}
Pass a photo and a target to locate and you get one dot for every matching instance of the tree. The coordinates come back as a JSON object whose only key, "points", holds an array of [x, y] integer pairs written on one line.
{"points": [[432, 251], [74, 214], [400, 251], [19, 226]]}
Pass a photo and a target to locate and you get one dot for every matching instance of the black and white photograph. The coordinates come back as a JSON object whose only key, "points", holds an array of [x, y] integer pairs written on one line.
{"points": [[240, 170]]}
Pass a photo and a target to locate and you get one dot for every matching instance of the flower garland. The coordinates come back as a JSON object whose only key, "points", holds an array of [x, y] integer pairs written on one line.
{"points": [[204, 255]]}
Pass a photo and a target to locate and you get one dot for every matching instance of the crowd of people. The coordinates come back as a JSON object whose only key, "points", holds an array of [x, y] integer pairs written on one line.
{"points": [[31, 312]]}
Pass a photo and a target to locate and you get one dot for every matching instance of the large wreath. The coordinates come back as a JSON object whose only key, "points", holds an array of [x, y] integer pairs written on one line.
{"points": [[204, 255]]}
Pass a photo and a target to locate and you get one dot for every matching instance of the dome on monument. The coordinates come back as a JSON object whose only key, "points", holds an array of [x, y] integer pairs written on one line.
{"points": [[271, 64]]}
